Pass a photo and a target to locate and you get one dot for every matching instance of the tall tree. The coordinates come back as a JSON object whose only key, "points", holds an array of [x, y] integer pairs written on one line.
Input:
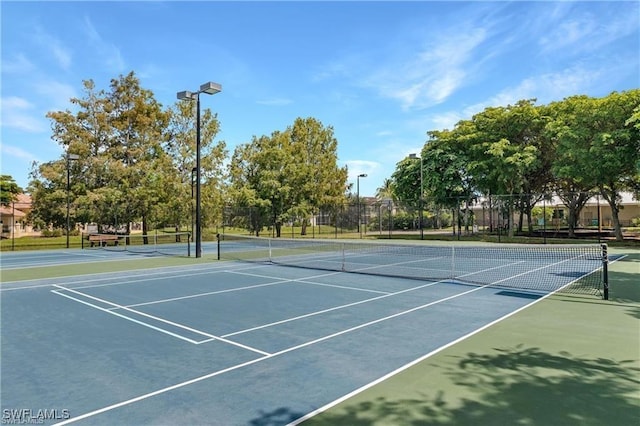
{"points": [[571, 178], [615, 149], [386, 191], [118, 135], [447, 178], [181, 149], [287, 175], [502, 154], [9, 190], [319, 181]]}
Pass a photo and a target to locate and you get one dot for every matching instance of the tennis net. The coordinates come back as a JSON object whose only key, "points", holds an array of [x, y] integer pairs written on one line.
{"points": [[173, 244], [537, 268]]}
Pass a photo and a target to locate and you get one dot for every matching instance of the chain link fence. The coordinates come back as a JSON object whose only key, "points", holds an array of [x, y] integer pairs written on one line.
{"points": [[537, 215], [529, 215]]}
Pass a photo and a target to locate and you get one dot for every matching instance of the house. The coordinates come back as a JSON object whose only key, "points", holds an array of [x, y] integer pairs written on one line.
{"points": [[14, 218], [595, 207]]}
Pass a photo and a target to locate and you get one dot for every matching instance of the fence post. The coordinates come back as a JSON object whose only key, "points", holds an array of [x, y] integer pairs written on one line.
{"points": [[605, 272]]}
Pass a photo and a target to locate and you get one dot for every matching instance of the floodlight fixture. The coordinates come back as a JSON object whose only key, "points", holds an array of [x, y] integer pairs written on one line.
{"points": [[186, 95], [210, 88]]}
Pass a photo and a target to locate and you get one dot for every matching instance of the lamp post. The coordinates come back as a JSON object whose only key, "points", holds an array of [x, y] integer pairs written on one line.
{"points": [[414, 156], [193, 181], [70, 158], [209, 88], [362, 175]]}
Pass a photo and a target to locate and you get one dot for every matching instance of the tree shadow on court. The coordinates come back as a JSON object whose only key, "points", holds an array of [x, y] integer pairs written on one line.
{"points": [[511, 386], [277, 417], [624, 289]]}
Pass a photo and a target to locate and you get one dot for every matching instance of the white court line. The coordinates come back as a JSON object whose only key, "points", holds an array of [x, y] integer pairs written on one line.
{"points": [[174, 324], [144, 324], [305, 280], [291, 349], [208, 293], [251, 287], [430, 354], [235, 367], [335, 308], [177, 271], [36, 264], [355, 303]]}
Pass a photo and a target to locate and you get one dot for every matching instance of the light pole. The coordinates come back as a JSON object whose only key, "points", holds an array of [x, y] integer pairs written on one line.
{"points": [[362, 175], [70, 158], [210, 89], [414, 156], [193, 181]]}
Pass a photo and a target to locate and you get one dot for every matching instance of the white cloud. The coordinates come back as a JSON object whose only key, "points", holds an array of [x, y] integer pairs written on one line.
{"points": [[544, 88], [109, 52], [433, 74], [51, 44], [18, 65], [57, 94], [358, 167], [19, 153], [14, 102], [446, 120], [574, 30], [16, 113]]}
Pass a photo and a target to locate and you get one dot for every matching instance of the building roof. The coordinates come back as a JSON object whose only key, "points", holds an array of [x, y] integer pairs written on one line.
{"points": [[9, 211]]}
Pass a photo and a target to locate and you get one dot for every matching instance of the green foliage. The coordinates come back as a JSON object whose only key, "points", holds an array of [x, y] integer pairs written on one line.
{"points": [[135, 161], [287, 176], [53, 233], [576, 148], [9, 189]]}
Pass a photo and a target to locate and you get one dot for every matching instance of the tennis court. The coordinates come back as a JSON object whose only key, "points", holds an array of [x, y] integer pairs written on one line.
{"points": [[234, 342]]}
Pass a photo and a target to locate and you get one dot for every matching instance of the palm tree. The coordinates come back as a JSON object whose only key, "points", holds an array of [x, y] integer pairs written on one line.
{"points": [[386, 191]]}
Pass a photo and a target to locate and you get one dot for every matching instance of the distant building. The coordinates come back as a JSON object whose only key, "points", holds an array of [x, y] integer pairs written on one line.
{"points": [[14, 218], [629, 209]]}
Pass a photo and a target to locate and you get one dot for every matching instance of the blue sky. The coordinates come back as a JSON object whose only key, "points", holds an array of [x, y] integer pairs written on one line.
{"points": [[381, 74]]}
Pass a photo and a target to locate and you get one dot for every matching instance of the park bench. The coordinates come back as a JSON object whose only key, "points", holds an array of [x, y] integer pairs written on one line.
{"points": [[103, 239]]}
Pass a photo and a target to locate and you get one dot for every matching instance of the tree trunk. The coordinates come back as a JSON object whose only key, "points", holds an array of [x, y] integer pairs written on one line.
{"points": [[611, 197], [510, 215]]}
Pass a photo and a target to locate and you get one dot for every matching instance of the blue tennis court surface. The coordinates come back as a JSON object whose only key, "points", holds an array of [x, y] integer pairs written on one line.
{"points": [[226, 343], [40, 258]]}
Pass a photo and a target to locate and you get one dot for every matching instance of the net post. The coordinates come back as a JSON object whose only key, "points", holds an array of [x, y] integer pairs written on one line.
{"points": [[453, 262], [189, 245], [270, 255], [605, 272], [218, 243]]}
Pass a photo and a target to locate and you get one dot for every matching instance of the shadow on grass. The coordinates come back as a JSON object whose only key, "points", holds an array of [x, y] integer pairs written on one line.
{"points": [[512, 386], [279, 416]]}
